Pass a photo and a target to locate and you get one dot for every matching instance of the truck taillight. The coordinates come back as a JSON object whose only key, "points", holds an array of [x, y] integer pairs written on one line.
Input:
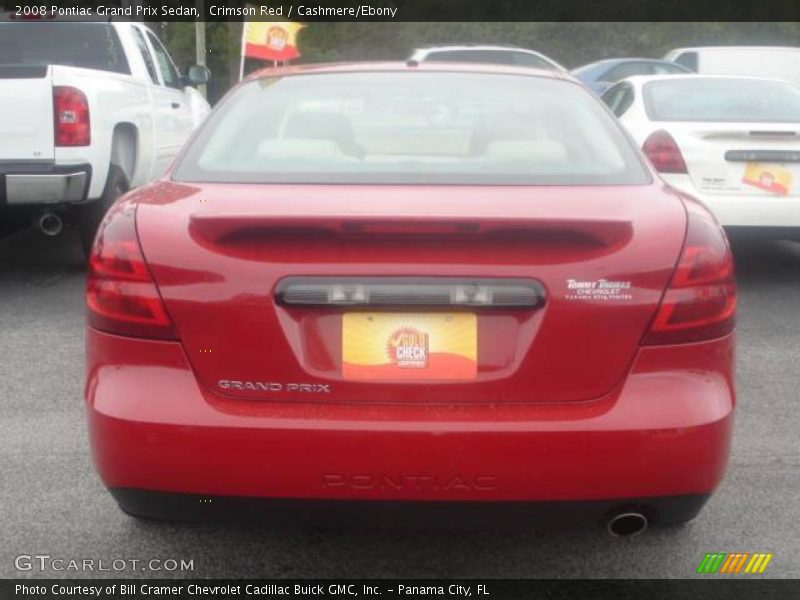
{"points": [[664, 153], [121, 295], [700, 301], [71, 117]]}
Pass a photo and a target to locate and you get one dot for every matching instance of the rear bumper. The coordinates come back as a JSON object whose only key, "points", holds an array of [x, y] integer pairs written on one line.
{"points": [[745, 210], [540, 515], [664, 433], [43, 183]]}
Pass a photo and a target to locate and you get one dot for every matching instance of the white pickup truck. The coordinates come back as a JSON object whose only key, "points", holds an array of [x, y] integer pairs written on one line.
{"points": [[87, 111]]}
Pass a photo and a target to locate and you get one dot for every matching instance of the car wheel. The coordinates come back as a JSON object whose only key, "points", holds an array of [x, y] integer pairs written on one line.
{"points": [[91, 214]]}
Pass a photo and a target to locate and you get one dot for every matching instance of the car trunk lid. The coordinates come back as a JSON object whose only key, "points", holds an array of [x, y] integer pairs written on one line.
{"points": [[594, 260], [741, 158]]}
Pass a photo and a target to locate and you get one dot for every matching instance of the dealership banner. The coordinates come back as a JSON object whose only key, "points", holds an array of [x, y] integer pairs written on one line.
{"points": [[402, 10], [275, 41], [392, 589]]}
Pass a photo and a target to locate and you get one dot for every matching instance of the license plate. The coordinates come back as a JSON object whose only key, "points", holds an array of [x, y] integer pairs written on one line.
{"points": [[409, 346], [770, 178]]}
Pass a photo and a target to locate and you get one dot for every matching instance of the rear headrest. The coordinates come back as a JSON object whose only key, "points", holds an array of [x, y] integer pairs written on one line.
{"points": [[318, 125], [503, 127], [315, 125], [297, 149], [537, 151]]}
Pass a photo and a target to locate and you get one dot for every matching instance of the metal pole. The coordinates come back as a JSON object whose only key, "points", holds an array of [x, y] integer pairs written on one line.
{"points": [[241, 50], [200, 41]]}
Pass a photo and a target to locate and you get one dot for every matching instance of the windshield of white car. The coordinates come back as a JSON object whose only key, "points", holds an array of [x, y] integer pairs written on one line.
{"points": [[698, 99], [412, 127], [72, 44], [492, 57]]}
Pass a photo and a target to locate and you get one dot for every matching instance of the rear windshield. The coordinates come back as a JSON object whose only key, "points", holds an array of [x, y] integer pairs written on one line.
{"points": [[87, 45], [412, 127], [722, 100]]}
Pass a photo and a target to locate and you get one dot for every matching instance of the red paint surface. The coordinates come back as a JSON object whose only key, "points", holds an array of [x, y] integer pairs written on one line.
{"points": [[665, 431]]}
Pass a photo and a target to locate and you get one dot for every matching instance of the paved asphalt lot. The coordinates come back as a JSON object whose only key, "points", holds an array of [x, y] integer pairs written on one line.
{"points": [[51, 502]]}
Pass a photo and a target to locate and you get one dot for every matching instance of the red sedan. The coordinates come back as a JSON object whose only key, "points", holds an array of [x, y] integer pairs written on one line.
{"points": [[376, 288]]}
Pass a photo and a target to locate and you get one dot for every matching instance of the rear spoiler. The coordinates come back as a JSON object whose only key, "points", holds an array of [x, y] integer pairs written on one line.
{"points": [[222, 228], [747, 132]]}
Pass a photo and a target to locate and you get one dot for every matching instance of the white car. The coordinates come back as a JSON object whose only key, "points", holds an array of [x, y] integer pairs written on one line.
{"points": [[732, 142], [485, 53], [90, 110], [775, 62]]}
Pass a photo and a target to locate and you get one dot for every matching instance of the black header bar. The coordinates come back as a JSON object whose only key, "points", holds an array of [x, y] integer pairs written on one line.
{"points": [[403, 10], [709, 588]]}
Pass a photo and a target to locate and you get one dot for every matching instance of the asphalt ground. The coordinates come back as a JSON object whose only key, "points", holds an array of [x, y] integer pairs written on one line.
{"points": [[52, 503]]}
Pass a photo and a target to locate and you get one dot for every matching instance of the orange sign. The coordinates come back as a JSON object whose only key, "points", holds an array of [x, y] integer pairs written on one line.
{"points": [[409, 346]]}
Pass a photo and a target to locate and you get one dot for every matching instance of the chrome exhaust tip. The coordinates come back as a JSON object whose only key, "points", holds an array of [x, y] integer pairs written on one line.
{"points": [[627, 524], [50, 224]]}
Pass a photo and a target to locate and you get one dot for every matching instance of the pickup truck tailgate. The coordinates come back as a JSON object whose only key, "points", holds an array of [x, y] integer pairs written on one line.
{"points": [[26, 109]]}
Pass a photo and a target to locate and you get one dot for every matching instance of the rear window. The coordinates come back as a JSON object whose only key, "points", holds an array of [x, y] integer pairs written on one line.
{"points": [[625, 70], [412, 127], [722, 100], [688, 60], [631, 69], [87, 45]]}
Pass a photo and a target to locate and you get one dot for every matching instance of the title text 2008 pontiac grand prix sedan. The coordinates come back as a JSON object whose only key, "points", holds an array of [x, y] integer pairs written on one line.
{"points": [[386, 286]]}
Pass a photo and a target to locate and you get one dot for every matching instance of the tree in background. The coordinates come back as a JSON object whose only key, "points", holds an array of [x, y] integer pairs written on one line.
{"points": [[571, 44]]}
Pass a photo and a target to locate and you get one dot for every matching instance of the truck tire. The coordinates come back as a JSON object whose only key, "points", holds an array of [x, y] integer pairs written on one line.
{"points": [[91, 214]]}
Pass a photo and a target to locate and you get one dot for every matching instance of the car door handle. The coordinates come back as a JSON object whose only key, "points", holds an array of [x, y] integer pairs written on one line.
{"points": [[176, 105]]}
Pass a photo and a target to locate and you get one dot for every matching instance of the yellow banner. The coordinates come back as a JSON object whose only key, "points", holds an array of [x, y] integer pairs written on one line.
{"points": [[275, 40]]}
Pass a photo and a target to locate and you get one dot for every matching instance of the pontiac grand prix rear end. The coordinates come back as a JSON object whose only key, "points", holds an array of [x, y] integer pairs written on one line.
{"points": [[386, 286]]}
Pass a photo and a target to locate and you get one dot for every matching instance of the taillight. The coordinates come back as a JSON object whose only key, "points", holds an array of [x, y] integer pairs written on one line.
{"points": [[121, 296], [71, 117], [664, 153], [700, 301]]}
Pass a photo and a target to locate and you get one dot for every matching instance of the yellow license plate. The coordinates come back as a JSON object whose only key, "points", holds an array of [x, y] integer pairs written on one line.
{"points": [[770, 178], [409, 346]]}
